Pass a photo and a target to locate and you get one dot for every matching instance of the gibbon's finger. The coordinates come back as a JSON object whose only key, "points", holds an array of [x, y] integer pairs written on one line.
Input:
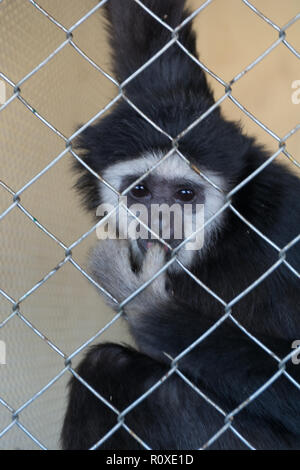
{"points": [[155, 260], [110, 267]]}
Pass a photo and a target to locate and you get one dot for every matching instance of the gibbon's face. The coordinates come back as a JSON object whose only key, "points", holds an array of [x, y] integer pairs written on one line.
{"points": [[172, 201]]}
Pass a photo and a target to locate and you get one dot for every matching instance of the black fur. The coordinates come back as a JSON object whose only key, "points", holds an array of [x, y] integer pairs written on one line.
{"points": [[227, 366]]}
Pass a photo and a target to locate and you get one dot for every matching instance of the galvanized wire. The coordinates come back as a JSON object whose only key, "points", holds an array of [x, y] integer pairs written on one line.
{"points": [[16, 196]]}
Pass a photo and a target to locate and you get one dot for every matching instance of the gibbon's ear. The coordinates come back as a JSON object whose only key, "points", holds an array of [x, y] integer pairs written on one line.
{"points": [[136, 36]]}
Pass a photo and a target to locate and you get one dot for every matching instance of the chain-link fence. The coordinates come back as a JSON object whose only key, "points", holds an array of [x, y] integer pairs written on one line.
{"points": [[16, 197]]}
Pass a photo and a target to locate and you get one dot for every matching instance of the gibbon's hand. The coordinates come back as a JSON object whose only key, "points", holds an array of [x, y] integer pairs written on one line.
{"points": [[111, 267]]}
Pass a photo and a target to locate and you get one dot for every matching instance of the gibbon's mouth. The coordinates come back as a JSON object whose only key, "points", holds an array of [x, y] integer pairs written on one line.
{"points": [[145, 244]]}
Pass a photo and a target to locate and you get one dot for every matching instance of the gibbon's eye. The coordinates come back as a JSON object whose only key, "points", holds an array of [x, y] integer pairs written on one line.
{"points": [[140, 191], [185, 195]]}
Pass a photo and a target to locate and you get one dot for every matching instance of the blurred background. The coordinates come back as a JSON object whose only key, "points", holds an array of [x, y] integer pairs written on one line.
{"points": [[66, 92]]}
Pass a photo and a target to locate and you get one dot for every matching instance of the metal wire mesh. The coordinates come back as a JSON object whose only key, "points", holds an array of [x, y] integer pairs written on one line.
{"points": [[16, 204]]}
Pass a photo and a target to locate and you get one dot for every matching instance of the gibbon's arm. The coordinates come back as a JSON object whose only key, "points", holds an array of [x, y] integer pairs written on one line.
{"points": [[173, 415], [163, 326], [227, 366], [122, 375]]}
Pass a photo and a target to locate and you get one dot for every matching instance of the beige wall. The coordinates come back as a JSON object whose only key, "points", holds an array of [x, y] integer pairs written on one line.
{"points": [[68, 91]]}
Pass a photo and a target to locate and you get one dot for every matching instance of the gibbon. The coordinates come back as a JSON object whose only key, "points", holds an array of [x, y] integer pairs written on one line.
{"points": [[180, 306]]}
